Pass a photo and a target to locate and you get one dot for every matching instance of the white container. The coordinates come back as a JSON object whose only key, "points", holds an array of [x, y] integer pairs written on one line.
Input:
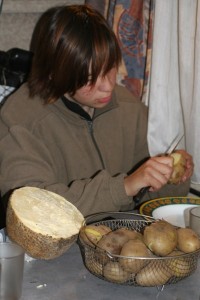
{"points": [[11, 271], [195, 219]]}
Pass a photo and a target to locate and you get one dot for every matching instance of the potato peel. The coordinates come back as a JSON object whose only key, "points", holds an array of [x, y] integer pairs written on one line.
{"points": [[179, 165]]}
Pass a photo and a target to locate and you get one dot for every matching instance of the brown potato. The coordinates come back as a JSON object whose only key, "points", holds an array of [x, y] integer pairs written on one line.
{"points": [[178, 167], [94, 266], [175, 253], [181, 266], [154, 274], [134, 248], [160, 237], [113, 241], [91, 234], [131, 234], [114, 272], [188, 240]]}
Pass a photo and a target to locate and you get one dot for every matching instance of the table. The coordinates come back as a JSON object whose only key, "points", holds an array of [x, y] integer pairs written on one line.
{"points": [[66, 278]]}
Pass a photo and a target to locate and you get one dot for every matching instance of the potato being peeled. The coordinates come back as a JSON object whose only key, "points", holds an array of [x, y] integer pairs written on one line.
{"points": [[179, 163]]}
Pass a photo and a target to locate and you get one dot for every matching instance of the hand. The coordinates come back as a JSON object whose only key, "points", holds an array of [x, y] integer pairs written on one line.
{"points": [[155, 173], [189, 165]]}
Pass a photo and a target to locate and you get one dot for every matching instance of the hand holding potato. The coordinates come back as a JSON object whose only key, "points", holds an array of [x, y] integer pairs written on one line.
{"points": [[155, 173], [158, 171]]}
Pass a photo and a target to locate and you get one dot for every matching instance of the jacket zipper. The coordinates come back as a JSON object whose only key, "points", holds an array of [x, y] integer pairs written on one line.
{"points": [[90, 126]]}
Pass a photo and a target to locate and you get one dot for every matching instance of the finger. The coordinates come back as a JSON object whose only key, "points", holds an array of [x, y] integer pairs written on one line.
{"points": [[163, 165], [155, 178]]}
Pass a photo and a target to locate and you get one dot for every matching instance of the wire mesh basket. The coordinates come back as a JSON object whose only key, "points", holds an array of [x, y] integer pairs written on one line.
{"points": [[148, 271]]}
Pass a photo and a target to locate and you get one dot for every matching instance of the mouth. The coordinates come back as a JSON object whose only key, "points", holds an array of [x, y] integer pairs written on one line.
{"points": [[105, 100]]}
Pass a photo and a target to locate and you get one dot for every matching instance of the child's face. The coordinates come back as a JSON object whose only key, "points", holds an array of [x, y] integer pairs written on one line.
{"points": [[99, 94]]}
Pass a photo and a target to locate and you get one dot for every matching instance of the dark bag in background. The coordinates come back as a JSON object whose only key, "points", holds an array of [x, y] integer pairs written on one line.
{"points": [[14, 66]]}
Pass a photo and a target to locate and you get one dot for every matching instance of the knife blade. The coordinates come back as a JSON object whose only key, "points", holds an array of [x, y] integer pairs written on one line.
{"points": [[174, 144], [170, 149]]}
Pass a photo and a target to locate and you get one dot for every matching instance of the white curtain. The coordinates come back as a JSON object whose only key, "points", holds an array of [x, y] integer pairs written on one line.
{"points": [[174, 86]]}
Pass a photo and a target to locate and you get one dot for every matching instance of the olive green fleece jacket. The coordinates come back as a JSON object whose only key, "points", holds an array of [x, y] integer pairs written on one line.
{"points": [[52, 147]]}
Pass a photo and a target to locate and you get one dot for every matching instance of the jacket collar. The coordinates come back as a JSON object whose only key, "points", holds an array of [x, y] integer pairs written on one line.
{"points": [[76, 108]]}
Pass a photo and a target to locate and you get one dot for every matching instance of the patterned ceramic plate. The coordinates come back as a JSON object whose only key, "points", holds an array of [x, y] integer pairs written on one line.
{"points": [[175, 210]]}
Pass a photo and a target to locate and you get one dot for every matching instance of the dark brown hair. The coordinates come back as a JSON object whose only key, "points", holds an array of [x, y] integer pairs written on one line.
{"points": [[70, 44]]}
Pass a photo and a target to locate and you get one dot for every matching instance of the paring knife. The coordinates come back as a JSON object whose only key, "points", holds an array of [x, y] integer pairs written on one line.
{"points": [[171, 148], [174, 144]]}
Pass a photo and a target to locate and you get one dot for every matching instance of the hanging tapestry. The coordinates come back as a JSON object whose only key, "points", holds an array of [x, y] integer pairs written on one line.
{"points": [[131, 21]]}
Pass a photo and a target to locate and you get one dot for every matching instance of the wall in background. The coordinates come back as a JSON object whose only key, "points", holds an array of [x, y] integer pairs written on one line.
{"points": [[18, 18]]}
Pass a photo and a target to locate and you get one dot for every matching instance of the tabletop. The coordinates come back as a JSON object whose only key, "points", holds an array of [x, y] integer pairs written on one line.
{"points": [[66, 278]]}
